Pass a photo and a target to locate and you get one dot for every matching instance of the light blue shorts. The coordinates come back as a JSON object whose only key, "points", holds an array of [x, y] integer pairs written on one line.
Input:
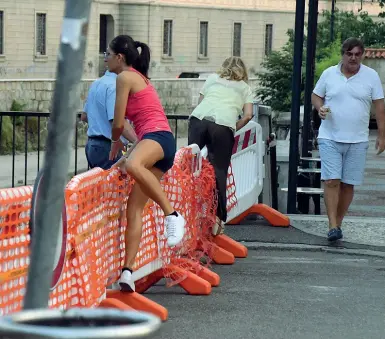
{"points": [[343, 161]]}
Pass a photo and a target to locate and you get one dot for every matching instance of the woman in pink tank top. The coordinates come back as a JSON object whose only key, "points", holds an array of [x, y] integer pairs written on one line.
{"points": [[151, 155]]}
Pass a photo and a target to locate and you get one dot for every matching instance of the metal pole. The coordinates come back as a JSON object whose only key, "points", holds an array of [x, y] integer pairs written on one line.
{"points": [[295, 106], [309, 82], [304, 180], [56, 162], [332, 17], [273, 171]]}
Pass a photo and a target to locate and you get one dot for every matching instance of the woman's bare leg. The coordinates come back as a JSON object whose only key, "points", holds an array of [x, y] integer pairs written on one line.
{"points": [[133, 235], [143, 157], [135, 206]]}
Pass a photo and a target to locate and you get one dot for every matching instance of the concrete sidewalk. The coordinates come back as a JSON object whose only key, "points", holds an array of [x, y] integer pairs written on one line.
{"points": [[32, 166], [360, 233], [357, 230]]}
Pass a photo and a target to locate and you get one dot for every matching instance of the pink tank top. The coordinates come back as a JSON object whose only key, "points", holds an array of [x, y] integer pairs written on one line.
{"points": [[145, 110]]}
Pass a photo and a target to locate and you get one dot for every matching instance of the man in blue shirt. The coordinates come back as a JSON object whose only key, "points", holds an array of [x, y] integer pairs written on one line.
{"points": [[99, 113]]}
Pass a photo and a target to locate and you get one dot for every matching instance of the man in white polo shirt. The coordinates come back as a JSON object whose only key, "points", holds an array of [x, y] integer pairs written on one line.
{"points": [[343, 97]]}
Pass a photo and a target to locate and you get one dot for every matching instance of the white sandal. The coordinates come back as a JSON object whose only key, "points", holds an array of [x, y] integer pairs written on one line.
{"points": [[218, 228]]}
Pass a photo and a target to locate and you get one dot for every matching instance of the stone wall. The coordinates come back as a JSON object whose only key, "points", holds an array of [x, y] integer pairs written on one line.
{"points": [[379, 66], [179, 96]]}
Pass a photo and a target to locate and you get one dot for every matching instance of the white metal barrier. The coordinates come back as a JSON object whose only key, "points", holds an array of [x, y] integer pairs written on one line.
{"points": [[247, 166]]}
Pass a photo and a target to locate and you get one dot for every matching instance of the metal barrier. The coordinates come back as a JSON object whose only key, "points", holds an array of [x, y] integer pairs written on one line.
{"points": [[32, 128], [247, 168], [247, 158]]}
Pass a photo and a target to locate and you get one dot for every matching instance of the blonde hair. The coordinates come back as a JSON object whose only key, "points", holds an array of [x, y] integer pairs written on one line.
{"points": [[234, 68]]}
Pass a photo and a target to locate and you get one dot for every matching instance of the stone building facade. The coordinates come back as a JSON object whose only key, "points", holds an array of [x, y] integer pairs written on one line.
{"points": [[184, 35]]}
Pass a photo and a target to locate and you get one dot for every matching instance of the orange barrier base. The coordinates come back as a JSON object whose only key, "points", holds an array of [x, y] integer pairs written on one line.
{"points": [[142, 285], [198, 281], [220, 256], [210, 276], [202, 272], [139, 303], [230, 245], [114, 303], [192, 284], [274, 217]]}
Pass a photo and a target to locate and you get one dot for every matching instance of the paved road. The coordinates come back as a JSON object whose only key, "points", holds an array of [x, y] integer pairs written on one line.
{"points": [[283, 295]]}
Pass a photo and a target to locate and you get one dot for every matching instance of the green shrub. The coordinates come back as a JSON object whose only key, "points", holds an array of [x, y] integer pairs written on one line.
{"points": [[332, 56], [32, 134]]}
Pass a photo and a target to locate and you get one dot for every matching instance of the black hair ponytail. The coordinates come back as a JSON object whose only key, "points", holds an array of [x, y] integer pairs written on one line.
{"points": [[142, 64], [125, 45]]}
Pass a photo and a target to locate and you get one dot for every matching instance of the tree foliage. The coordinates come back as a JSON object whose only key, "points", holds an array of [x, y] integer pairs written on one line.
{"points": [[347, 24], [382, 5], [275, 81], [333, 56]]}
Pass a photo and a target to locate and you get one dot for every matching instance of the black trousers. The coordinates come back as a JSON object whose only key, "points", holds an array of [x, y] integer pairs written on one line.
{"points": [[219, 141]]}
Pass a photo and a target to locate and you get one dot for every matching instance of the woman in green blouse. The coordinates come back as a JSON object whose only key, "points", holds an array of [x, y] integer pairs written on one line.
{"points": [[224, 97]]}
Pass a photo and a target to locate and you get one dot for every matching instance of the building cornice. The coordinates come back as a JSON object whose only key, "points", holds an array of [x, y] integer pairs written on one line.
{"points": [[372, 8]]}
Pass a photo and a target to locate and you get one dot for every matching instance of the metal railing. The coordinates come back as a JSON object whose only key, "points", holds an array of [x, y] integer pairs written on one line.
{"points": [[22, 133]]}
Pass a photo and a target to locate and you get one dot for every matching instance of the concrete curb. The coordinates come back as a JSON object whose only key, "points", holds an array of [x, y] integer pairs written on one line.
{"points": [[311, 248], [349, 218]]}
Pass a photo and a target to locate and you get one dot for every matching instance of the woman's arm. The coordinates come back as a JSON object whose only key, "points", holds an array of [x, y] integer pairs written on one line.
{"points": [[123, 87], [247, 116], [128, 132]]}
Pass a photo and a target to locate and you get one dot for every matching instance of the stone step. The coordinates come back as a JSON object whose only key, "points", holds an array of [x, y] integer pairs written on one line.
{"points": [[306, 190], [310, 159], [309, 170]]}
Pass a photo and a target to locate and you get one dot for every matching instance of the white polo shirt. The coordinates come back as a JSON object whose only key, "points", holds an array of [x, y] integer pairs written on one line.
{"points": [[350, 101]]}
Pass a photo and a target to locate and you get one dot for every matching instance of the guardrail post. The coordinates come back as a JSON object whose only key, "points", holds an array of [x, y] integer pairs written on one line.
{"points": [[265, 120], [273, 170]]}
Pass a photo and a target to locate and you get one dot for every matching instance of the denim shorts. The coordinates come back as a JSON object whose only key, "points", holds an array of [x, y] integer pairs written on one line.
{"points": [[167, 141], [344, 161]]}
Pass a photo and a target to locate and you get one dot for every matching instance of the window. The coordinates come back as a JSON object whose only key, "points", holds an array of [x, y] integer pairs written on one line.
{"points": [[203, 38], [167, 38], [1, 32], [237, 38], [268, 39], [103, 34], [41, 25]]}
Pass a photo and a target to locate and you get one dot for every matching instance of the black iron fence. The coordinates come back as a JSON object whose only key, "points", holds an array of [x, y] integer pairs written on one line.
{"points": [[23, 136]]}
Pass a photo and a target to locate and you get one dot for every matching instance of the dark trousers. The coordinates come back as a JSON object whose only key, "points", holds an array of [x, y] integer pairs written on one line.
{"points": [[98, 153], [219, 141]]}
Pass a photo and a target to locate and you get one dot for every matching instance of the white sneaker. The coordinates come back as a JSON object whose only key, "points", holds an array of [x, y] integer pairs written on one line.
{"points": [[126, 282], [175, 229]]}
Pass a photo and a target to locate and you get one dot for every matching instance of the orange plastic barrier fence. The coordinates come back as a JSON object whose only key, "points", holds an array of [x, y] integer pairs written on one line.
{"points": [[94, 228], [15, 205], [92, 240]]}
